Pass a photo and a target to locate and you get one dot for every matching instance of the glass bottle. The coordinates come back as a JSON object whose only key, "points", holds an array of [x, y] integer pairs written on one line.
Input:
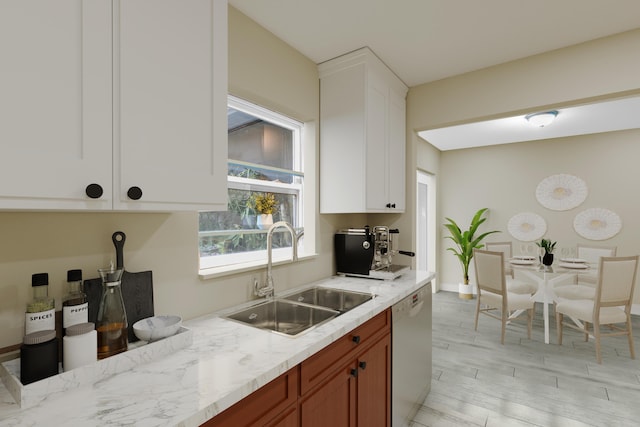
{"points": [[111, 323], [40, 313], [75, 305]]}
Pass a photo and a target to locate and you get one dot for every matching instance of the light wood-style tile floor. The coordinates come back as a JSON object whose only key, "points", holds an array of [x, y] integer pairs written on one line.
{"points": [[479, 382]]}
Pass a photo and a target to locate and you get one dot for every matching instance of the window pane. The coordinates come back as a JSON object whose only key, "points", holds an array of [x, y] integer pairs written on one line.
{"points": [[236, 230], [252, 171], [260, 142]]}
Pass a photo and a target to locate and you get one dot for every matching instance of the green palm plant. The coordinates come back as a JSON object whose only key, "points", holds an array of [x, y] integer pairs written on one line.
{"points": [[467, 241]]}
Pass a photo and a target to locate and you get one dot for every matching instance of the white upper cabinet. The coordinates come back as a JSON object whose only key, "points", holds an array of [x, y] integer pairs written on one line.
{"points": [[55, 107], [170, 80], [113, 104], [362, 135]]}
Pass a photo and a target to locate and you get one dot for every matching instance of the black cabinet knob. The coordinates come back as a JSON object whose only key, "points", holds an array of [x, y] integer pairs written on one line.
{"points": [[388, 205], [362, 365], [134, 193], [356, 339], [393, 205], [94, 191], [354, 372]]}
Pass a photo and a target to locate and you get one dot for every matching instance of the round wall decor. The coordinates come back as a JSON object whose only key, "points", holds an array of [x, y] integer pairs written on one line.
{"points": [[527, 226], [597, 224], [561, 192]]}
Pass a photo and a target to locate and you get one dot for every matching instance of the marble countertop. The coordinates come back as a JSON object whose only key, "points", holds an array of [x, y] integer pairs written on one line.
{"points": [[226, 362]]}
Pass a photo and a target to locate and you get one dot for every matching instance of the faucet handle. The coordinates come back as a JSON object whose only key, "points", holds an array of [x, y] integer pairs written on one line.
{"points": [[262, 291]]}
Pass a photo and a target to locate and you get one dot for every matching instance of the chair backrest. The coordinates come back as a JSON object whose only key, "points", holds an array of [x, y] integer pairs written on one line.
{"points": [[489, 267], [592, 254], [616, 281], [504, 247]]}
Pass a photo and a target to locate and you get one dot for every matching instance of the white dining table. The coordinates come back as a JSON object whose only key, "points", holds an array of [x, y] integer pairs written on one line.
{"points": [[547, 277]]}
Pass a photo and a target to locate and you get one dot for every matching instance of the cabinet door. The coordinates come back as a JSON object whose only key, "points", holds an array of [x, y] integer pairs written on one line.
{"points": [[342, 150], [396, 150], [374, 385], [376, 151], [333, 404], [288, 418], [55, 82], [272, 404], [170, 99]]}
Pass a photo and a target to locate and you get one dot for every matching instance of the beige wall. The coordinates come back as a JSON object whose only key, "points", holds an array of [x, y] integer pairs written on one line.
{"points": [[262, 69], [504, 177]]}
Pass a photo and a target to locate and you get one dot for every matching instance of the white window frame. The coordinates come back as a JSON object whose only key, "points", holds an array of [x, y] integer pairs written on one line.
{"points": [[248, 260]]}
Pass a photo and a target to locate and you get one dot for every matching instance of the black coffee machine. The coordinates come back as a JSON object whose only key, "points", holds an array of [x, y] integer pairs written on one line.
{"points": [[366, 252]]}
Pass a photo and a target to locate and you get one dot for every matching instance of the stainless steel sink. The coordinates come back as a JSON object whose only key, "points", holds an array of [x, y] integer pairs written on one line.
{"points": [[283, 316], [335, 299]]}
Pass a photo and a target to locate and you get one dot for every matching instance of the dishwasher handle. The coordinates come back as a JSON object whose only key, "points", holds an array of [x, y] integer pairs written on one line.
{"points": [[416, 309]]}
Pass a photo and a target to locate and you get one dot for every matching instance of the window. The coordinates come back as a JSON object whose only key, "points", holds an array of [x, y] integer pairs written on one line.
{"points": [[265, 160]]}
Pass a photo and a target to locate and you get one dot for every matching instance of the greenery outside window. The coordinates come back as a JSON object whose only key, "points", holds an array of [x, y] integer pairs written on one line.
{"points": [[265, 160]]}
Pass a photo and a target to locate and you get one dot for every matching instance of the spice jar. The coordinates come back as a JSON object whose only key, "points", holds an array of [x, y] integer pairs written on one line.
{"points": [[75, 305], [40, 313], [38, 356], [80, 346]]}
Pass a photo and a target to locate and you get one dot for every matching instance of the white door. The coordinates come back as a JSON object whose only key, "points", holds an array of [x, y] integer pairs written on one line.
{"points": [[425, 223]]}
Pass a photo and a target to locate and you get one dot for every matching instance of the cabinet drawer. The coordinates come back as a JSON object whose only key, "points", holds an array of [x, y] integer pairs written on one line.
{"points": [[263, 405], [321, 365]]}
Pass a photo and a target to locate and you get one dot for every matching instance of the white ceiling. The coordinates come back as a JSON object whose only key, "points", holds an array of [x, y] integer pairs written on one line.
{"points": [[427, 40], [606, 116]]}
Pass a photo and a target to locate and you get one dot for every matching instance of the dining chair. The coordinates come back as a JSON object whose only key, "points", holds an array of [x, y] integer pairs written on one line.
{"points": [[507, 249], [610, 307], [493, 293], [584, 286]]}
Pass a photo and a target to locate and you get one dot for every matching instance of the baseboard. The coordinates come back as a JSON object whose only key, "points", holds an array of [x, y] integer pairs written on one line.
{"points": [[453, 287]]}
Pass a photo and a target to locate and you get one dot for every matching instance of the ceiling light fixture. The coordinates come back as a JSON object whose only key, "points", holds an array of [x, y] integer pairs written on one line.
{"points": [[542, 119]]}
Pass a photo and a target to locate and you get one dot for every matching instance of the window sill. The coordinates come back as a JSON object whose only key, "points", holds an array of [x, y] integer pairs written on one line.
{"points": [[228, 270]]}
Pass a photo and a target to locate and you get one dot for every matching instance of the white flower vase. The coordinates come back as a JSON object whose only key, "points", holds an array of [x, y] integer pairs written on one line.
{"points": [[264, 221]]}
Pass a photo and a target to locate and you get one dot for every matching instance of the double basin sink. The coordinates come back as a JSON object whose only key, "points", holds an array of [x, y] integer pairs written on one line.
{"points": [[292, 314]]}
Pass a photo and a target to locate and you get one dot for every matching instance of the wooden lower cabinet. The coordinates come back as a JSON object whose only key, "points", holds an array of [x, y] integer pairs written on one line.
{"points": [[288, 418], [270, 405], [374, 385], [347, 384], [332, 404]]}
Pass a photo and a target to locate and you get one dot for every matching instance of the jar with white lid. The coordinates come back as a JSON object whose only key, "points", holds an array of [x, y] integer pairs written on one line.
{"points": [[80, 346]]}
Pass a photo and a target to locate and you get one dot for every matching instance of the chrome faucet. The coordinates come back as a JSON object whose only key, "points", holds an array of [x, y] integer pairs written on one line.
{"points": [[268, 290]]}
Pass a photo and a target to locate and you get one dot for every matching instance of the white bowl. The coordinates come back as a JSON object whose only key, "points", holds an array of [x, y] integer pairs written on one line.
{"points": [[157, 327]]}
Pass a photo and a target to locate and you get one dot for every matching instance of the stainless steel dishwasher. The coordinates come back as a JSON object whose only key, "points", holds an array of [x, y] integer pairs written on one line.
{"points": [[411, 355]]}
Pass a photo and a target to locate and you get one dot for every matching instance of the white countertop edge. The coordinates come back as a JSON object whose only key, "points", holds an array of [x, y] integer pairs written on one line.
{"points": [[226, 362]]}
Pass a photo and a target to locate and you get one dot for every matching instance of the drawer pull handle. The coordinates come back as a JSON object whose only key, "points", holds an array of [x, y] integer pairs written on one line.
{"points": [[356, 339]]}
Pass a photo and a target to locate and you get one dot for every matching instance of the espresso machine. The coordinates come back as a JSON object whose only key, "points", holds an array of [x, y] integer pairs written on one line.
{"points": [[367, 252]]}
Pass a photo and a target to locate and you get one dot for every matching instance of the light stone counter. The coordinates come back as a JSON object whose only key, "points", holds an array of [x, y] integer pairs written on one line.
{"points": [[226, 362]]}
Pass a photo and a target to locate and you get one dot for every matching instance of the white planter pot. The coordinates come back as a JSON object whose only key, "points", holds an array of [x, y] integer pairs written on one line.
{"points": [[465, 291], [264, 221]]}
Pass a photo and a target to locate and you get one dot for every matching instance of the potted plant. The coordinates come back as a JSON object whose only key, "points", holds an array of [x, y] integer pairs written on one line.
{"points": [[266, 204], [548, 246], [465, 243]]}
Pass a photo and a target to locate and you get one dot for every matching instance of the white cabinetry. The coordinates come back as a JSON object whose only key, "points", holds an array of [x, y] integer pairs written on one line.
{"points": [[128, 95], [362, 135]]}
